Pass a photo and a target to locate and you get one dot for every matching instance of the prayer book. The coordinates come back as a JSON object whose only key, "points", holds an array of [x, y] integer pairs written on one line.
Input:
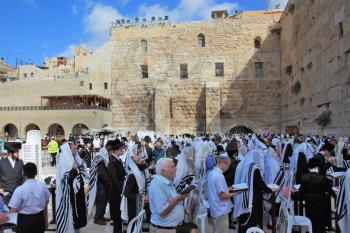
{"points": [[240, 187], [335, 175], [188, 189], [273, 186], [11, 222]]}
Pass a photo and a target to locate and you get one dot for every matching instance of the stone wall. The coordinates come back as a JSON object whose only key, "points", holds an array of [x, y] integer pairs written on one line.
{"points": [[315, 65], [166, 102]]}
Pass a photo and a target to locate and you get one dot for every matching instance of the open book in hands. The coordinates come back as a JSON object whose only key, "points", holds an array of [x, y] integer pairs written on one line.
{"points": [[11, 222], [240, 187]]}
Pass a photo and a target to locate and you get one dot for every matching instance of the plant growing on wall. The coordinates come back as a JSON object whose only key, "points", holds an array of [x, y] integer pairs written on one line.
{"points": [[289, 69], [296, 88], [324, 119], [309, 66], [291, 8]]}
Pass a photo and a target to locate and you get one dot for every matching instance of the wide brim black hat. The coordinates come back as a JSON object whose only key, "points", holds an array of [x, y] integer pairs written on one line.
{"points": [[147, 138], [114, 144], [12, 146], [328, 146], [87, 140], [314, 162]]}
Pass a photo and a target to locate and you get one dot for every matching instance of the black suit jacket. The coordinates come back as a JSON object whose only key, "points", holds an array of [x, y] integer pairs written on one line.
{"points": [[117, 174], [10, 178]]}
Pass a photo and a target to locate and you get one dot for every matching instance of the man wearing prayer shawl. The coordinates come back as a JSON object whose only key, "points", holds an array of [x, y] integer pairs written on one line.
{"points": [[70, 197], [99, 183], [274, 174], [343, 203], [248, 208], [135, 184]]}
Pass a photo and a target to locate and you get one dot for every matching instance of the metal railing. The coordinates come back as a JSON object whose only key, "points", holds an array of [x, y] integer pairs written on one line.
{"points": [[37, 108]]}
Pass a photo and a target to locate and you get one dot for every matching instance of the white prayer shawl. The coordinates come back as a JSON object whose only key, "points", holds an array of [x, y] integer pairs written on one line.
{"points": [[304, 148], [181, 166], [343, 203], [338, 154], [274, 173], [289, 141], [101, 157], [245, 174], [197, 145], [64, 217], [131, 168]]}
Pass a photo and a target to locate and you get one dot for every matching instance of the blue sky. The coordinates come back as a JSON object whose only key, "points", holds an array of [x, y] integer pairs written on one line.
{"points": [[32, 29]]}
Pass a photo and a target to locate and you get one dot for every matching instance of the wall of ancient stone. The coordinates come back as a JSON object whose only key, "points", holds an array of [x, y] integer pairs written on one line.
{"points": [[315, 65], [202, 102]]}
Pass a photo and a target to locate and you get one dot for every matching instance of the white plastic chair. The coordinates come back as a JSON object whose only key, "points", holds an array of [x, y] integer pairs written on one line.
{"points": [[294, 220], [136, 223], [254, 230]]}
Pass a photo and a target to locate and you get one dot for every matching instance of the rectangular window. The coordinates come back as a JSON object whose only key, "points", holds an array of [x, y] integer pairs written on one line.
{"points": [[183, 71], [144, 70], [171, 103], [106, 85], [219, 69], [90, 86], [25, 75], [259, 69], [341, 30]]}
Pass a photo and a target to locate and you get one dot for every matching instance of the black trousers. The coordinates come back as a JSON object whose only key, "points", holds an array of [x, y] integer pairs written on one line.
{"points": [[101, 203], [114, 208], [53, 159], [32, 223]]}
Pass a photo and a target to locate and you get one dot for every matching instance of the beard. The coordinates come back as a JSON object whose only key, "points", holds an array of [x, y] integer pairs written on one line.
{"points": [[142, 166]]}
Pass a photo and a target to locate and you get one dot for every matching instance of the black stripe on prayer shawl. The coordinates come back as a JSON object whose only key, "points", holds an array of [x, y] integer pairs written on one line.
{"points": [[93, 175], [346, 163], [246, 194], [280, 181], [330, 169], [340, 201], [62, 210], [184, 182]]}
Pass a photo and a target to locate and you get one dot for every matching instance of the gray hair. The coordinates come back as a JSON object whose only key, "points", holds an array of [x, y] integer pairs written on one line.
{"points": [[161, 163]]}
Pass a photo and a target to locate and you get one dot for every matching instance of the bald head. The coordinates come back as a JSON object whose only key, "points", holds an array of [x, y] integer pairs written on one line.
{"points": [[166, 167]]}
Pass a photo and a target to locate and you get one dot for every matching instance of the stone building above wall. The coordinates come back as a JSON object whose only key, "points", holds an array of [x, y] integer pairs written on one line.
{"points": [[197, 77]]}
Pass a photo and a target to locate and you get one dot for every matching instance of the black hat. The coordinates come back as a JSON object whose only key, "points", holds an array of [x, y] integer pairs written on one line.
{"points": [[124, 139], [114, 144], [313, 162], [147, 139], [328, 146], [87, 140], [12, 146]]}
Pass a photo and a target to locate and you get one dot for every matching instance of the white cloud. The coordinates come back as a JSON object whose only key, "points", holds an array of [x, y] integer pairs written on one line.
{"points": [[98, 23], [97, 20], [68, 52], [271, 4], [186, 10]]}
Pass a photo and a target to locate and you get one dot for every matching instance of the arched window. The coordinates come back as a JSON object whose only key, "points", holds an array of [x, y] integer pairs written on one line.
{"points": [[201, 40], [257, 42], [144, 45]]}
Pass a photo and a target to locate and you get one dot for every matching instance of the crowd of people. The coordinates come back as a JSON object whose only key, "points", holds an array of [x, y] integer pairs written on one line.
{"points": [[232, 181]]}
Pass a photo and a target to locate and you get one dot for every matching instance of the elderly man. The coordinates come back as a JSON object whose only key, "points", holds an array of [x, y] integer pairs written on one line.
{"points": [[220, 195], [158, 152], [166, 206]]}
